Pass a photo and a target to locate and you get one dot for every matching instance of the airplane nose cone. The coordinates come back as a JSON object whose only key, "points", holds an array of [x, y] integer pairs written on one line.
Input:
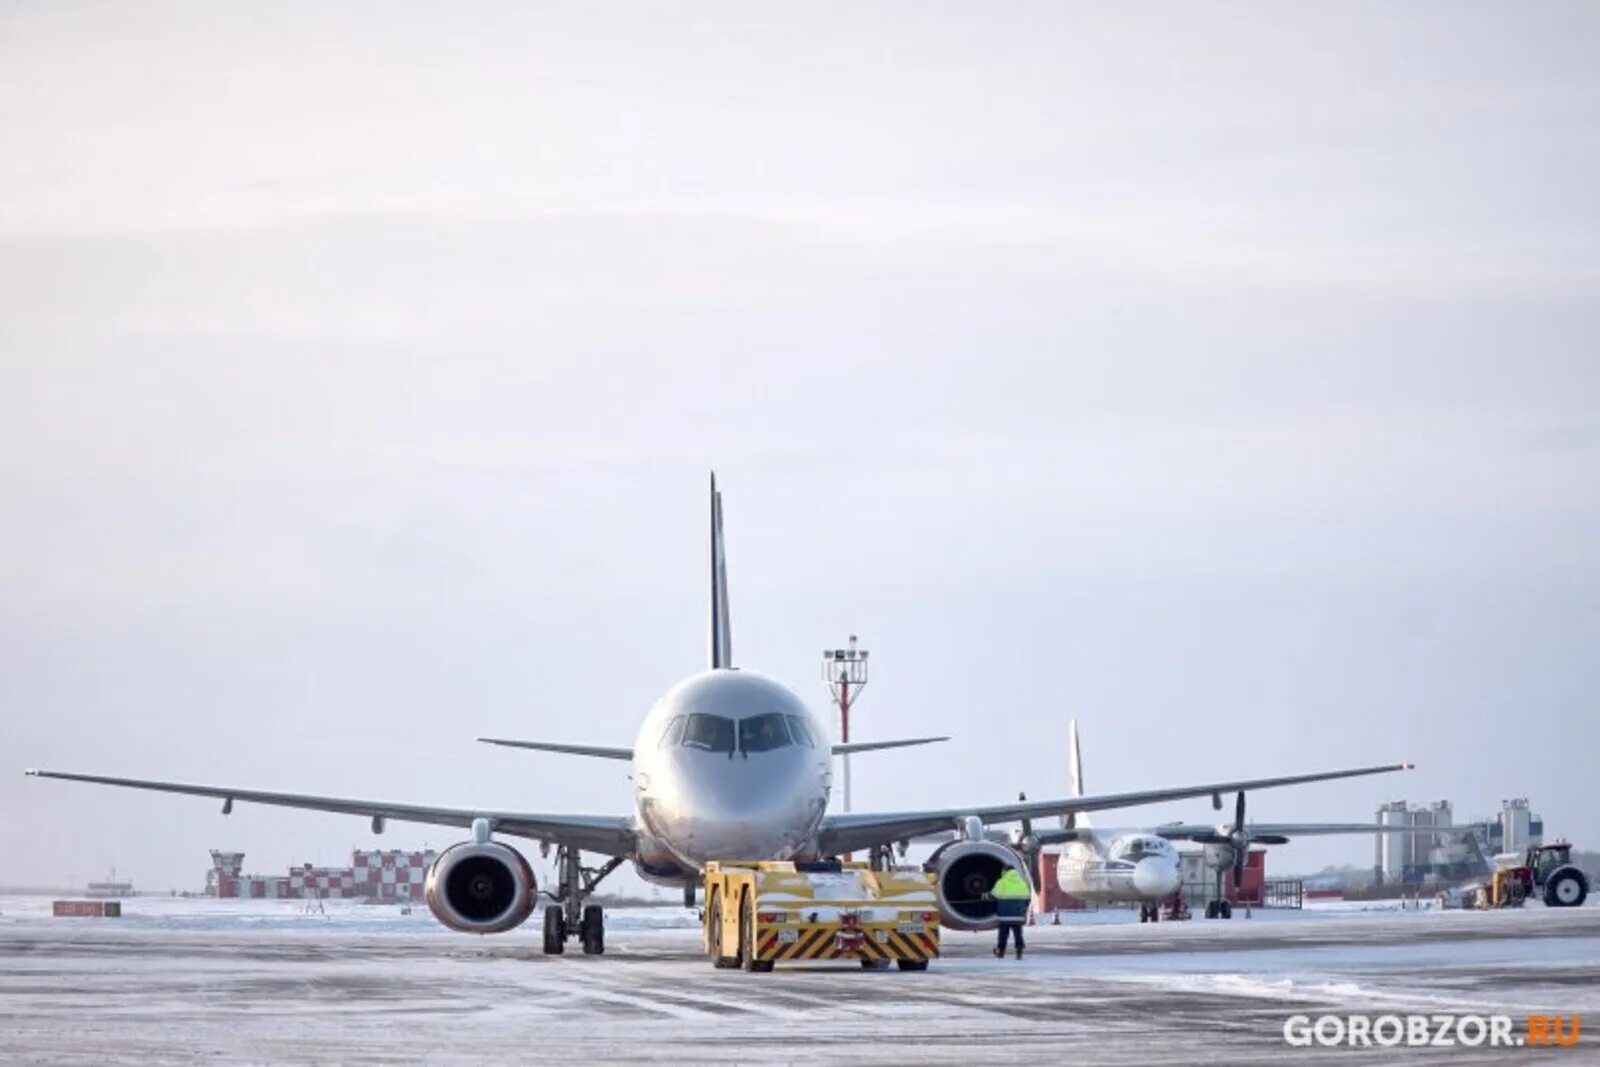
{"points": [[1153, 878], [763, 807]]}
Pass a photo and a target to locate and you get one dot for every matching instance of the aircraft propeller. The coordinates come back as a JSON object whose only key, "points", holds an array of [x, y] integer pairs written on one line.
{"points": [[1239, 838]]}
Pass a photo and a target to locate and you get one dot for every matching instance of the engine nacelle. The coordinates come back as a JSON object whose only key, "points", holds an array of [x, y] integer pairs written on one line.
{"points": [[964, 873], [481, 888]]}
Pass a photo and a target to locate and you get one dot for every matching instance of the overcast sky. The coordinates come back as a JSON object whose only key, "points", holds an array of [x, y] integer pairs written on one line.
{"points": [[1222, 375]]}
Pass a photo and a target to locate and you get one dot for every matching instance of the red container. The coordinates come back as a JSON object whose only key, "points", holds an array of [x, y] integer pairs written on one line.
{"points": [[86, 909]]}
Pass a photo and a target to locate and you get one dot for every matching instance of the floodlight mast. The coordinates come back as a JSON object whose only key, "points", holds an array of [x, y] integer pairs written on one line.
{"points": [[845, 671]]}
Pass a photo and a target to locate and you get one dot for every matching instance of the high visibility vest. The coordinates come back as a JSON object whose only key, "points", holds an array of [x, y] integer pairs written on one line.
{"points": [[1011, 886]]}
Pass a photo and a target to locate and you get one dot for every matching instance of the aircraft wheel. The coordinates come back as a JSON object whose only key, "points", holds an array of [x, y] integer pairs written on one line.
{"points": [[555, 931], [593, 931], [1225, 909], [1211, 909]]}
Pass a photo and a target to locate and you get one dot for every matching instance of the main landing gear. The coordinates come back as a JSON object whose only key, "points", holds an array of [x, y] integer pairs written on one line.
{"points": [[1220, 908], [570, 916]]}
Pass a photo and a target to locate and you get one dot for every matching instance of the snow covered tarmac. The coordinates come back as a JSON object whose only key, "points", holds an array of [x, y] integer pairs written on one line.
{"points": [[260, 981]]}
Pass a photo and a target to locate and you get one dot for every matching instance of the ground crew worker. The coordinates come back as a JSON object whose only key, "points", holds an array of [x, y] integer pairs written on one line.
{"points": [[1011, 894]]}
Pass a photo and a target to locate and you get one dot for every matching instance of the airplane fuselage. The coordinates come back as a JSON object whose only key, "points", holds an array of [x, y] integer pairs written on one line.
{"points": [[728, 765], [1137, 868]]}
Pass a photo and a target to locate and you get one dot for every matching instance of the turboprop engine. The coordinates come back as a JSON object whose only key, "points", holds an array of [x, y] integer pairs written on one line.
{"points": [[481, 888], [964, 873]]}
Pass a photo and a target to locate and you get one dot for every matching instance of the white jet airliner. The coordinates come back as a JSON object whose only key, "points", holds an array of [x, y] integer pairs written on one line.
{"points": [[728, 765]]}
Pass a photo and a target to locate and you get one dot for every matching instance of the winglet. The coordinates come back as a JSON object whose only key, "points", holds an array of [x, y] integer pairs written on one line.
{"points": [[721, 629]]}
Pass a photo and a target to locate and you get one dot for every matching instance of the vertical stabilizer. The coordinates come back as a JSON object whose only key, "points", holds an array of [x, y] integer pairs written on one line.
{"points": [[1075, 761], [1074, 776], [721, 630]]}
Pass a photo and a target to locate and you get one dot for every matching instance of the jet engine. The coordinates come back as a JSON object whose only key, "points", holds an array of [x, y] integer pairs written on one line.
{"points": [[964, 872], [481, 888]]}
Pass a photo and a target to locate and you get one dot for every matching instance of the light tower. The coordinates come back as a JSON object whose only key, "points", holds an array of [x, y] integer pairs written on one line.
{"points": [[845, 671]]}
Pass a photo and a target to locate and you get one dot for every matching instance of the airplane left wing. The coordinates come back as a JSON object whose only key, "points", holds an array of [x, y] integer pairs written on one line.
{"points": [[849, 831], [610, 835]]}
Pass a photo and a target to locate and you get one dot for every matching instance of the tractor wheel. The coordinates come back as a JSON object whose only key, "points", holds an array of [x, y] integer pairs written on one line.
{"points": [[1566, 888], [747, 940], [747, 944], [715, 911]]}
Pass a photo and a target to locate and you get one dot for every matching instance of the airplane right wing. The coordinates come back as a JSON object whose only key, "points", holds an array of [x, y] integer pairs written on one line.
{"points": [[610, 835], [849, 831]]}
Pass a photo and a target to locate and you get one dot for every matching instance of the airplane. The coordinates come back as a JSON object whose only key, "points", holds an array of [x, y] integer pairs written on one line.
{"points": [[727, 765], [1141, 866]]}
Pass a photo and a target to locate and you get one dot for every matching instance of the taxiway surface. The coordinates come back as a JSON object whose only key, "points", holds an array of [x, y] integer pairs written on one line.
{"points": [[207, 981]]}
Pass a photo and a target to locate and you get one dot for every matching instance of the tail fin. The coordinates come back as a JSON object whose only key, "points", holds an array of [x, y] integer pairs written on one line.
{"points": [[721, 629], [1074, 777], [1075, 761]]}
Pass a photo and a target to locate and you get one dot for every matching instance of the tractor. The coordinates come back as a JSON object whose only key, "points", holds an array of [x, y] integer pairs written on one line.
{"points": [[1544, 867], [1550, 869]]}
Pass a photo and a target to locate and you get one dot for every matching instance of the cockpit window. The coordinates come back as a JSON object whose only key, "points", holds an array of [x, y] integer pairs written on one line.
{"points": [[800, 732], [674, 731], [763, 733], [1140, 847], [710, 732]]}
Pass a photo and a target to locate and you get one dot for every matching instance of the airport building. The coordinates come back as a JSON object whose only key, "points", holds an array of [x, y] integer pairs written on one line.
{"points": [[392, 875]]}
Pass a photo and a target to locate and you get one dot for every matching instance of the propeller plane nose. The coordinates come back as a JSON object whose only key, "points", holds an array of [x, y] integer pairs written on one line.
{"points": [[1155, 877]]}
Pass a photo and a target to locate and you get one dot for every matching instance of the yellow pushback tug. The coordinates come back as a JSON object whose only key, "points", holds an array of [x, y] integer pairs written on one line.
{"points": [[763, 913]]}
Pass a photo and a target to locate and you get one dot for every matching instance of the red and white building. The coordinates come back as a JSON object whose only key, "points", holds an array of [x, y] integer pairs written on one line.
{"points": [[384, 875], [392, 875]]}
